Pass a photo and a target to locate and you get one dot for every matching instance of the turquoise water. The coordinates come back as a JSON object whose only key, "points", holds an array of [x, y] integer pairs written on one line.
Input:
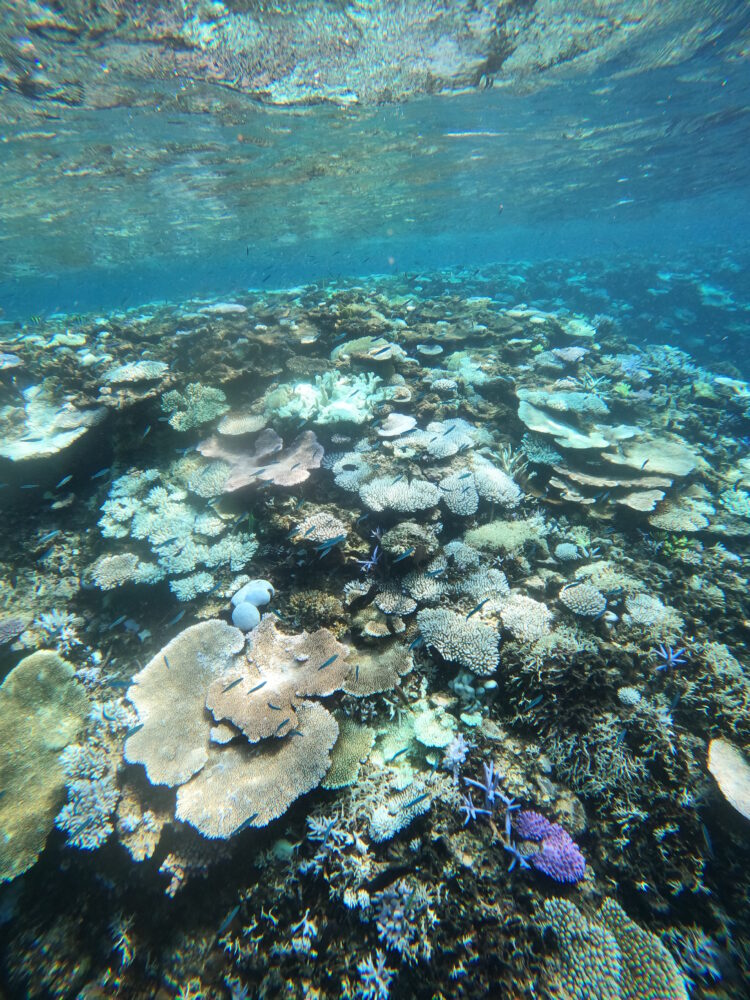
{"points": [[374, 424]]}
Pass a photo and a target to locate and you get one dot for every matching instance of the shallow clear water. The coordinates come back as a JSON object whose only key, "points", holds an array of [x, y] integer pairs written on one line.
{"points": [[431, 320]]}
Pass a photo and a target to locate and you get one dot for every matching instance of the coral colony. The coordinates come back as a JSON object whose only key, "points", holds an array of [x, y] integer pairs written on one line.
{"points": [[410, 663]]}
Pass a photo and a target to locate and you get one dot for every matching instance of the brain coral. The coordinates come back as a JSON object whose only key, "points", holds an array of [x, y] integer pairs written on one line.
{"points": [[470, 643], [42, 710], [610, 957]]}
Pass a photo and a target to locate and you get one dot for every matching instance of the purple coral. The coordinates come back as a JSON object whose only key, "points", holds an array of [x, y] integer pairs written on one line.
{"points": [[559, 856]]}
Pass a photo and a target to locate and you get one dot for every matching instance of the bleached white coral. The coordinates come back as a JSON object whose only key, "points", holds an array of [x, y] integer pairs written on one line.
{"points": [[525, 618]]}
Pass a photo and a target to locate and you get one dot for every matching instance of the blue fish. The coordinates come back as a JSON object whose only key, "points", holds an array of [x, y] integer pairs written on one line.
{"points": [[415, 802], [382, 350], [537, 701], [167, 663], [116, 622], [257, 687], [416, 642], [398, 754], [63, 481], [134, 730], [274, 708], [232, 685], [49, 536], [309, 531], [248, 822], [229, 918], [398, 479], [435, 572], [405, 555], [177, 618], [477, 608], [148, 428], [119, 684], [30, 486], [329, 661], [281, 725], [465, 475]]}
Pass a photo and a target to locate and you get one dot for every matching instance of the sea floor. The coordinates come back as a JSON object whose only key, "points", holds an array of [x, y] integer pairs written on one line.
{"points": [[369, 640]]}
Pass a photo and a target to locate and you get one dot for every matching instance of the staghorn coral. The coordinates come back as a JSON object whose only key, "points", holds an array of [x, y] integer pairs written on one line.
{"points": [[42, 710]]}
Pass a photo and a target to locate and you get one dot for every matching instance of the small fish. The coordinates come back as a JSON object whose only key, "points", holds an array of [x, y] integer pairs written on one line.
{"points": [[398, 479], [397, 754], [356, 673], [361, 519], [477, 608], [274, 708], [644, 464], [435, 572], [281, 726], [119, 684], [109, 718], [177, 618], [329, 661], [247, 823], [30, 486], [464, 447], [295, 732], [295, 466], [116, 622], [63, 481], [309, 531], [232, 685], [449, 431], [405, 555], [46, 555], [416, 642], [148, 428], [382, 350], [604, 496], [465, 475], [167, 663], [414, 802], [49, 536], [620, 737], [258, 471], [706, 837], [134, 730], [337, 340], [229, 918], [257, 687], [537, 701]]}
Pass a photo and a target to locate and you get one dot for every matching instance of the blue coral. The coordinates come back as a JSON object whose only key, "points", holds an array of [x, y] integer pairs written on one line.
{"points": [[376, 977]]}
